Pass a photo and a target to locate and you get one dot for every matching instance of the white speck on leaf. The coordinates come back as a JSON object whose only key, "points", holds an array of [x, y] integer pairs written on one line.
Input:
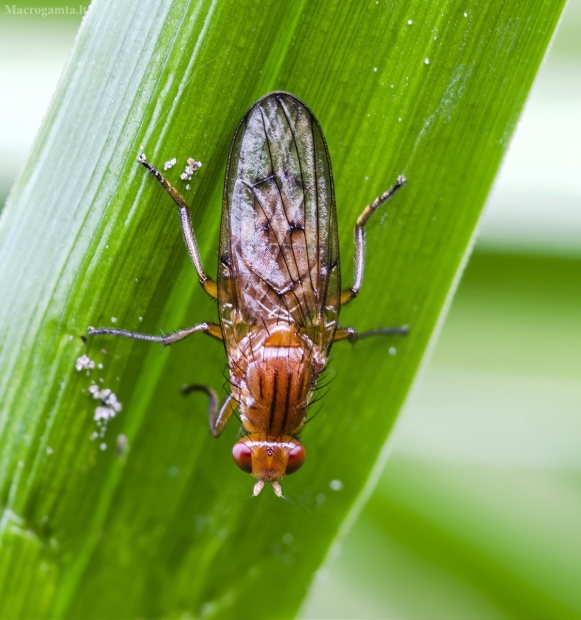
{"points": [[104, 413], [170, 163], [427, 61], [410, 22], [84, 362], [109, 406], [192, 166], [392, 350], [336, 485]]}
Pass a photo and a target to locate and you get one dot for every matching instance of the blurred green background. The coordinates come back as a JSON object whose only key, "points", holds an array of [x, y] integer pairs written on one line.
{"points": [[477, 512]]}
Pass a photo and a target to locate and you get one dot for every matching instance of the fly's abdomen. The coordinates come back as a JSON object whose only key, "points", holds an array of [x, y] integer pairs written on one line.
{"points": [[278, 387], [275, 381]]}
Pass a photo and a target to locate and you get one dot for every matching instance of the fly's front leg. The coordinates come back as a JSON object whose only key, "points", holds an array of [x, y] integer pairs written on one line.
{"points": [[187, 229], [352, 335], [216, 418], [167, 339], [350, 293]]}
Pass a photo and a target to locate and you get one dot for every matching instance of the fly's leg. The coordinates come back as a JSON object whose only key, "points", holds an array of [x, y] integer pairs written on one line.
{"points": [[350, 293], [187, 229], [216, 418], [167, 339], [352, 335]]}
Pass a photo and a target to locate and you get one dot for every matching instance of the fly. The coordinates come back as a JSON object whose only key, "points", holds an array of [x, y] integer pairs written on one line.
{"points": [[279, 283]]}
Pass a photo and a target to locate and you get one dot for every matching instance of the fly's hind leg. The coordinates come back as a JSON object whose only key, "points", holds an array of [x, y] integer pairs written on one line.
{"points": [[187, 228], [350, 293], [167, 339], [352, 335], [216, 417]]}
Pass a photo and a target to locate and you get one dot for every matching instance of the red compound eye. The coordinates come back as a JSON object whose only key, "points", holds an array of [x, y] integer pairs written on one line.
{"points": [[296, 457], [242, 456]]}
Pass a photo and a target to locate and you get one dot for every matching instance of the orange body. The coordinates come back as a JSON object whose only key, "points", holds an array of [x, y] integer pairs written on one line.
{"points": [[278, 278]]}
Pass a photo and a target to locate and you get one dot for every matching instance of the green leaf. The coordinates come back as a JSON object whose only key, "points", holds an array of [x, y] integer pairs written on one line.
{"points": [[150, 518]]}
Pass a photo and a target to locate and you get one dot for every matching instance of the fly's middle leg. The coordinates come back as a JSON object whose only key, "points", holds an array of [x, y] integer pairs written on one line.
{"points": [[216, 417], [352, 335], [167, 339], [187, 228], [350, 293]]}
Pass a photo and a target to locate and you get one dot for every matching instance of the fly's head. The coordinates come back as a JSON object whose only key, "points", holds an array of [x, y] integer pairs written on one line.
{"points": [[268, 460]]}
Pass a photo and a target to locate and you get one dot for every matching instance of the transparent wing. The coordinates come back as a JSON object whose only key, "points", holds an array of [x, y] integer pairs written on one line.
{"points": [[279, 256]]}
